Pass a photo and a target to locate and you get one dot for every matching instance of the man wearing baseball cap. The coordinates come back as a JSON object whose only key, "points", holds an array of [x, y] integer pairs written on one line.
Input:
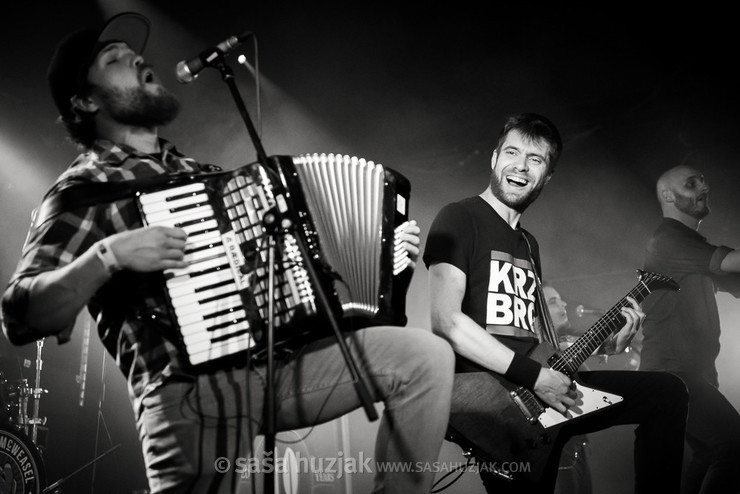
{"points": [[72, 79], [97, 253]]}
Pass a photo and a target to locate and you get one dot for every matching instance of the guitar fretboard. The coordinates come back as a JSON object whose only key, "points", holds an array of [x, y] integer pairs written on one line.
{"points": [[571, 359]]}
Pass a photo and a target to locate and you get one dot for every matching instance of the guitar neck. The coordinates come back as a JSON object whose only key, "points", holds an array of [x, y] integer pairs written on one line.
{"points": [[575, 355]]}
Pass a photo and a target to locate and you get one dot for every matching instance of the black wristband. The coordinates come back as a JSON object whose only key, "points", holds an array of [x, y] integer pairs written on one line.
{"points": [[523, 371]]}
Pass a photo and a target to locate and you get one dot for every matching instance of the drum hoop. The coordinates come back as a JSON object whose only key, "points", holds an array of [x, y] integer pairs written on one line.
{"points": [[20, 456]]}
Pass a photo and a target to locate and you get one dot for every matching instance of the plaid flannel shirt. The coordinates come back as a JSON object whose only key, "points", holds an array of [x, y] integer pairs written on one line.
{"points": [[130, 310]]}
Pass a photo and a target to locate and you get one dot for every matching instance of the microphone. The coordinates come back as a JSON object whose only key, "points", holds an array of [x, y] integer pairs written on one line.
{"points": [[581, 310], [187, 70]]}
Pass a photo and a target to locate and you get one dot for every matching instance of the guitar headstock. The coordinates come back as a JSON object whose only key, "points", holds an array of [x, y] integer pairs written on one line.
{"points": [[657, 281]]}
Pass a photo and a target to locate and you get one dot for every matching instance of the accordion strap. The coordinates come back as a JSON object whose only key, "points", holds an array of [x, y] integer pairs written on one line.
{"points": [[84, 194]]}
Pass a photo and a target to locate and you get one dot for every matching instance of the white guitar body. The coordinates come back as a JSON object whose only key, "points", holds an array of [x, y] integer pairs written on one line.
{"points": [[589, 400]]}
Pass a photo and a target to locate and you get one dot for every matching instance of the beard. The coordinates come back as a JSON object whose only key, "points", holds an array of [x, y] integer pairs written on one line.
{"points": [[138, 107], [517, 203], [689, 206]]}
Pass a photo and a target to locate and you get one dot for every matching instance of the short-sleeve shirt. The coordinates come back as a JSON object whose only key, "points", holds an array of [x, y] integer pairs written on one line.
{"points": [[495, 258], [682, 328]]}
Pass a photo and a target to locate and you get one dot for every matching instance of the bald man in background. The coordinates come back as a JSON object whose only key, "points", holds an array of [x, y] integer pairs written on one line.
{"points": [[682, 329]]}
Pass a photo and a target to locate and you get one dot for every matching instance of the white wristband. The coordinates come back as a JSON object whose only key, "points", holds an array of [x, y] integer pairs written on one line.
{"points": [[106, 256]]}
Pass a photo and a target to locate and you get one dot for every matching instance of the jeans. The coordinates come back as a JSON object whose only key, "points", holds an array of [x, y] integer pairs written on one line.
{"points": [[185, 426]]}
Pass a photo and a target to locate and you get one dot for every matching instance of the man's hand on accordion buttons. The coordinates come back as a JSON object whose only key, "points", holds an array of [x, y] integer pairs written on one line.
{"points": [[410, 238], [150, 248]]}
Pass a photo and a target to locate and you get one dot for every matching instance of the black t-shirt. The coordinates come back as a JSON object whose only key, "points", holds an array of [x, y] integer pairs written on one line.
{"points": [[682, 330], [500, 281]]}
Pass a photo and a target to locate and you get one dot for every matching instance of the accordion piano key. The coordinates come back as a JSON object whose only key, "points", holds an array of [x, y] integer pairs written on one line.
{"points": [[185, 285], [217, 328], [209, 350], [201, 311]]}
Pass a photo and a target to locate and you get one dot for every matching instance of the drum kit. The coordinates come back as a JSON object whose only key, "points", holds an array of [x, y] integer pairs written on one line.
{"points": [[21, 464]]}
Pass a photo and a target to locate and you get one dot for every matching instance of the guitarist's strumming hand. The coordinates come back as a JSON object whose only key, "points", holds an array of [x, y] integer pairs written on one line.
{"points": [[555, 389]]}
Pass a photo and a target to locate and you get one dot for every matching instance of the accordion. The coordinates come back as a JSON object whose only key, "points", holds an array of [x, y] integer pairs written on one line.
{"points": [[345, 216]]}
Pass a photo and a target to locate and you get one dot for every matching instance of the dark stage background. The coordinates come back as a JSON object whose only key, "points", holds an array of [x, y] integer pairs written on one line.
{"points": [[423, 90]]}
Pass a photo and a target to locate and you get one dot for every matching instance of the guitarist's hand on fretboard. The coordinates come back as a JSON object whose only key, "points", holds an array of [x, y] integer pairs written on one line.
{"points": [[555, 389], [634, 316]]}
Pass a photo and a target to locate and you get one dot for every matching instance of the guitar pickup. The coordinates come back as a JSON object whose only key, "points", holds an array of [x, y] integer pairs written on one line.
{"points": [[527, 404]]}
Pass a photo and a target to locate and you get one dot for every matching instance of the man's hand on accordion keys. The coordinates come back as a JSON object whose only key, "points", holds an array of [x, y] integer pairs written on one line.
{"points": [[406, 250], [150, 248]]}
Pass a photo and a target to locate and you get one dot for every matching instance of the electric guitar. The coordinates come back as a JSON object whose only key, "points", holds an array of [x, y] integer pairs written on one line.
{"points": [[523, 430]]}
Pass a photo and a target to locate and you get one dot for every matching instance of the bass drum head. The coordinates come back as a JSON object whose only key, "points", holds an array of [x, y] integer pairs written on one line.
{"points": [[21, 467]]}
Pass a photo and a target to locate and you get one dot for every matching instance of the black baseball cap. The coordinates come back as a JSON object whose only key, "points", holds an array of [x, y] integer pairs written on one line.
{"points": [[67, 72]]}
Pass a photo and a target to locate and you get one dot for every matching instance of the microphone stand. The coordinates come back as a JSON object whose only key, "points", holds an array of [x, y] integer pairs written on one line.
{"points": [[54, 488], [272, 222], [228, 77]]}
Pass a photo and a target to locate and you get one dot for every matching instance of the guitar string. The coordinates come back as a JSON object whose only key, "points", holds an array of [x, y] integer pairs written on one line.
{"points": [[601, 329]]}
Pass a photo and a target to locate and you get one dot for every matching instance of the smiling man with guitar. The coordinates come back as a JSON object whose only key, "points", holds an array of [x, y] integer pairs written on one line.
{"points": [[516, 399]]}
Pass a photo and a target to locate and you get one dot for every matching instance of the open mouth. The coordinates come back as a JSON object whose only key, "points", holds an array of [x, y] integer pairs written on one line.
{"points": [[147, 76], [517, 181]]}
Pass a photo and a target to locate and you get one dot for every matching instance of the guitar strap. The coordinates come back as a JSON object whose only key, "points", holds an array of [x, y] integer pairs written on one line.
{"points": [[547, 328]]}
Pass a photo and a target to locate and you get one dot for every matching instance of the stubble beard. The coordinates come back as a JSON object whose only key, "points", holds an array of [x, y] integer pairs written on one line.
{"points": [[517, 203], [689, 206]]}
